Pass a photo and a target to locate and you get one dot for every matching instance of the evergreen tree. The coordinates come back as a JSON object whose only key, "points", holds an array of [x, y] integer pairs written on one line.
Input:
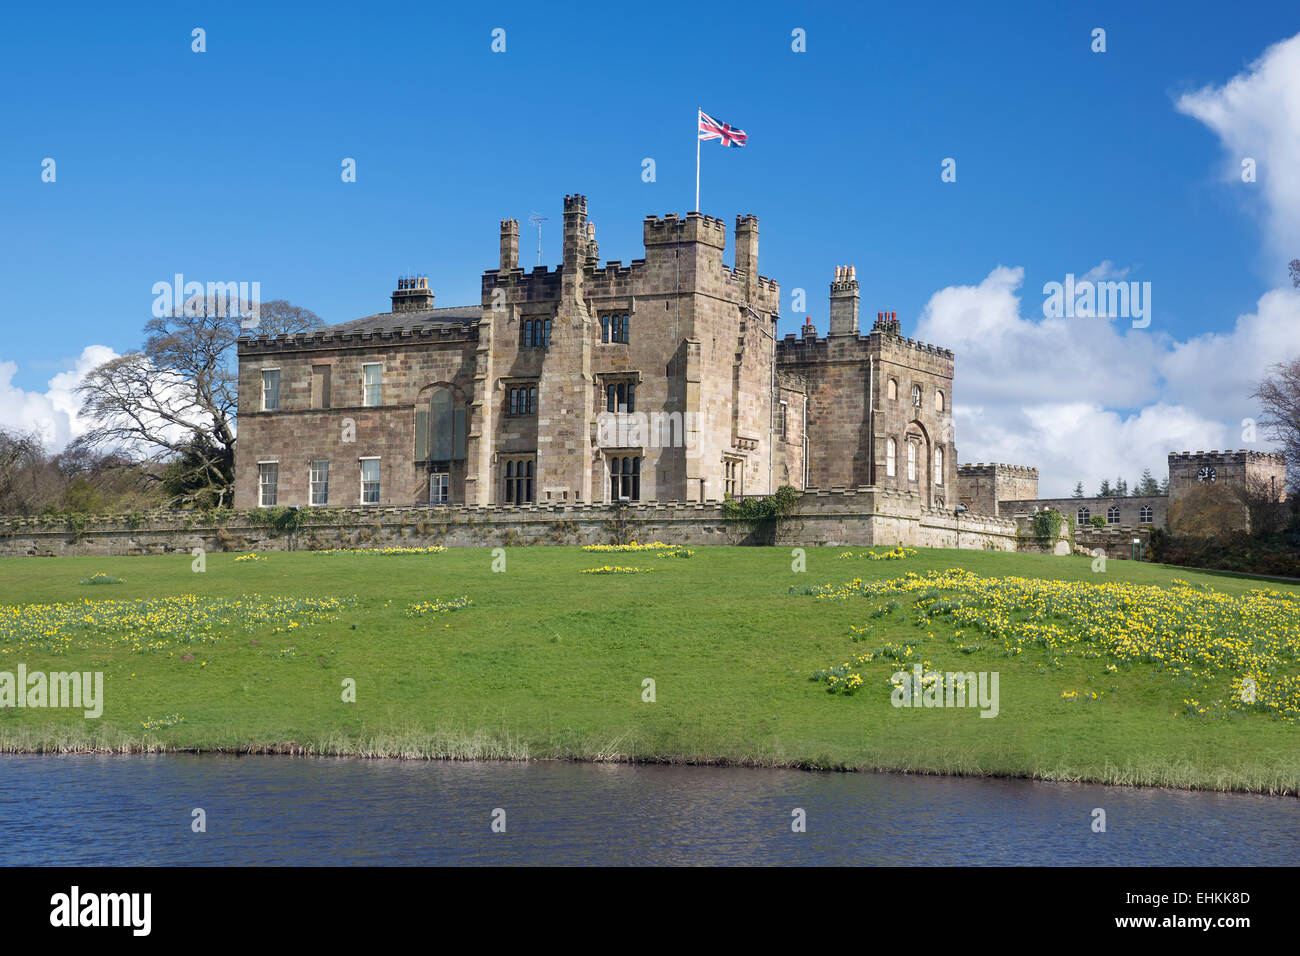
{"points": [[1078, 489], [1104, 491], [1147, 486], [1121, 488], [1164, 485]]}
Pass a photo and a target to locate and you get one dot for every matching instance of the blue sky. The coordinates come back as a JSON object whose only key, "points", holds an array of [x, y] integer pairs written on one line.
{"points": [[225, 165]]}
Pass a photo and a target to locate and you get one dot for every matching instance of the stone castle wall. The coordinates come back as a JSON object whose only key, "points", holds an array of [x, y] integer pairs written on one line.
{"points": [[856, 518]]}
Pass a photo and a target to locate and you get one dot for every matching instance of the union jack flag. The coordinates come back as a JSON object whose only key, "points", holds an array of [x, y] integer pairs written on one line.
{"points": [[712, 129]]}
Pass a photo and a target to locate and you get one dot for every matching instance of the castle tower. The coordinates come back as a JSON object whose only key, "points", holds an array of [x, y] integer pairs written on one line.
{"points": [[844, 301]]}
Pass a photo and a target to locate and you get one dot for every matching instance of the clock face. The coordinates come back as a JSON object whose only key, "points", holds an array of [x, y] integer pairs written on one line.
{"points": [[1205, 474]]}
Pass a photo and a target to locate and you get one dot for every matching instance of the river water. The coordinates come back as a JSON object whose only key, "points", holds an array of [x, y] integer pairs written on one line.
{"points": [[137, 810]]}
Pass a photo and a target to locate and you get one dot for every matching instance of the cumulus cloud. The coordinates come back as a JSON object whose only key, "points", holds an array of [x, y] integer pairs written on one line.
{"points": [[1256, 115], [1090, 398], [53, 413]]}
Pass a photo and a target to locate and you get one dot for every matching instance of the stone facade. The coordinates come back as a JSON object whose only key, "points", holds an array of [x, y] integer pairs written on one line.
{"points": [[1187, 469], [983, 488], [1128, 512]]}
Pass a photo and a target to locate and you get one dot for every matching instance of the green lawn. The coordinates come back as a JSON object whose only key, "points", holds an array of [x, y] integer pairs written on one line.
{"points": [[550, 662]]}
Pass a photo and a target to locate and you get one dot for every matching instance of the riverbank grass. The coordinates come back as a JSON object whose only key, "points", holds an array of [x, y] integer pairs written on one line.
{"points": [[1135, 676]]}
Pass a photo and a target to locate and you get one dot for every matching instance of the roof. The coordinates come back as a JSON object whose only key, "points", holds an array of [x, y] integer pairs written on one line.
{"points": [[454, 315]]}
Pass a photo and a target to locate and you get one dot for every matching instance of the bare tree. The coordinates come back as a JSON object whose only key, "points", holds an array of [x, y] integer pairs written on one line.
{"points": [[173, 403], [1279, 395], [28, 480], [1294, 266], [1266, 510]]}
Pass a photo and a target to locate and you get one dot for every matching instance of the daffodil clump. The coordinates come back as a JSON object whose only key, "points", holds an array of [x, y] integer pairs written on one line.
{"points": [[615, 569], [423, 608], [153, 624], [893, 554], [251, 556], [167, 720], [431, 549], [1228, 643], [665, 550], [99, 577]]}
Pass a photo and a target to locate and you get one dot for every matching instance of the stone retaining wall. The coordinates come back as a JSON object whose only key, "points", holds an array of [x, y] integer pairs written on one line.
{"points": [[855, 518]]}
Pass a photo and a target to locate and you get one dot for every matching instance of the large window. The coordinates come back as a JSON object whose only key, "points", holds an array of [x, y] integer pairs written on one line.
{"points": [[372, 388], [519, 481], [536, 334], [1112, 515], [270, 389], [320, 386], [916, 396], [268, 479], [891, 452], [523, 400], [320, 483], [938, 466], [1146, 515], [614, 327], [370, 481], [620, 397], [1082, 518], [911, 461], [440, 428], [625, 478]]}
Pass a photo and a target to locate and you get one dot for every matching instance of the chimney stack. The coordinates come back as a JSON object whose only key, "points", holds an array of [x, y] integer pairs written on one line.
{"points": [[845, 301], [509, 245], [413, 294]]}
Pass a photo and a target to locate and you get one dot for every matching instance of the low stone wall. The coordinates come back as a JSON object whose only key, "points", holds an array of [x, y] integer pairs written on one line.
{"points": [[856, 518], [1116, 543]]}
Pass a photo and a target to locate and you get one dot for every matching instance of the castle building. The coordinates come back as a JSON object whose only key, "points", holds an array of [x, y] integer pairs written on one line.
{"points": [[1006, 490], [662, 379]]}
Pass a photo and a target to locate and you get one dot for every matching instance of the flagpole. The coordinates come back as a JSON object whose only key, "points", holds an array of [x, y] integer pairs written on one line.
{"points": [[697, 158]]}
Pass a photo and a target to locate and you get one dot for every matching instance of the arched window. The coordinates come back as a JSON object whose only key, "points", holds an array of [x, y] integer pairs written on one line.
{"points": [[916, 396], [911, 461], [1112, 514], [892, 390], [938, 400], [938, 466], [1146, 515], [1082, 517], [890, 449], [439, 428]]}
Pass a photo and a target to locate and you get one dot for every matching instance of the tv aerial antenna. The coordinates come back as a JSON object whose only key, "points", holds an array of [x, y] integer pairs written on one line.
{"points": [[537, 221]]}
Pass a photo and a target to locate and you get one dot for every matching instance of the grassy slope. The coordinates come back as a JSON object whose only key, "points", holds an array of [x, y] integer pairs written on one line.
{"points": [[549, 663]]}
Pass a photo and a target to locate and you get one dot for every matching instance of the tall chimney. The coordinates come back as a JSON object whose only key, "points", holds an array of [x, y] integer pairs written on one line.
{"points": [[575, 231], [844, 302], [509, 245]]}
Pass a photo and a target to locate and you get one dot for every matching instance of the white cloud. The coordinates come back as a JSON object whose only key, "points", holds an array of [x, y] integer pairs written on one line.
{"points": [[1086, 399], [52, 413], [1256, 114], [1093, 398]]}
